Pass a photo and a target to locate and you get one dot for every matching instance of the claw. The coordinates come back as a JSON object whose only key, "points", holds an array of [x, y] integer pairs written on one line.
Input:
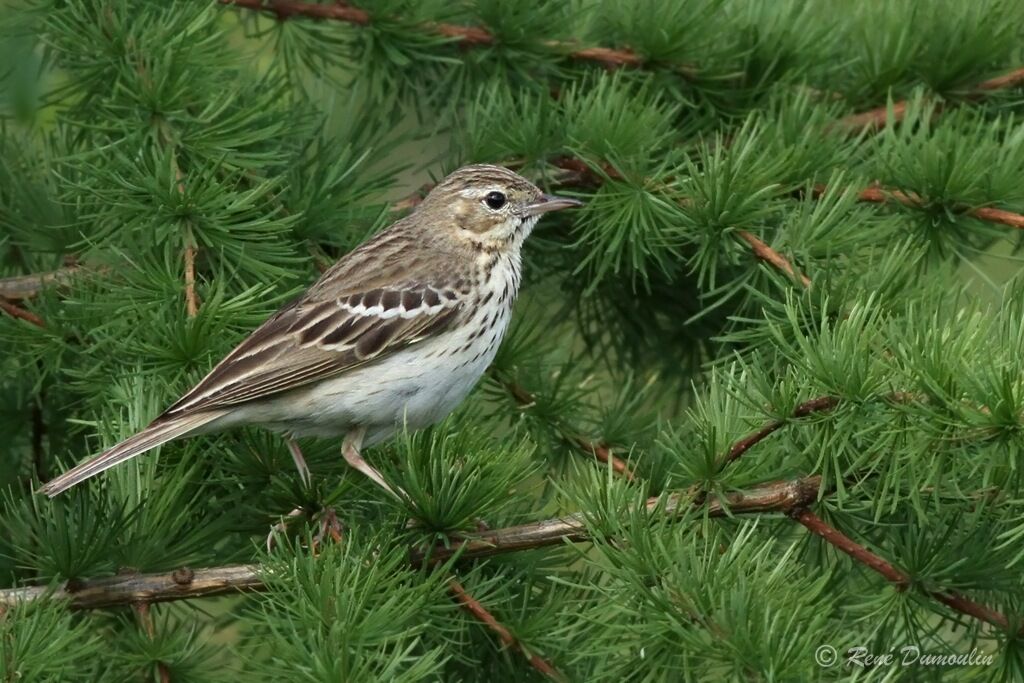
{"points": [[281, 527], [329, 525]]}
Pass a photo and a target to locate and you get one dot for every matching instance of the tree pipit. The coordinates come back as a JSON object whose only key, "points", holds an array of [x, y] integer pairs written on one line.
{"points": [[397, 332]]}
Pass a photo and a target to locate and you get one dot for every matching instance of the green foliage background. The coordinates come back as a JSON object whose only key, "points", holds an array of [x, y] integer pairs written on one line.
{"points": [[134, 130]]}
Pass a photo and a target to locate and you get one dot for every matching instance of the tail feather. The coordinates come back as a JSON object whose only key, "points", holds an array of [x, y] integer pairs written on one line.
{"points": [[150, 437]]}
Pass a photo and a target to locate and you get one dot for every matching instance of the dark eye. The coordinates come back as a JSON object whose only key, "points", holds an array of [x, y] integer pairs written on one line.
{"points": [[495, 200]]}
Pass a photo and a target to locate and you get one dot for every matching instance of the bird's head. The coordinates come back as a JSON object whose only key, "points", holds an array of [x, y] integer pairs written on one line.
{"points": [[488, 206]]}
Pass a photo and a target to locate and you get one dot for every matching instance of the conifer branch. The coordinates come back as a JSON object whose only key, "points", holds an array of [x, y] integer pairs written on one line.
{"points": [[191, 298], [779, 496], [1009, 80], [791, 497], [145, 618], [877, 118], [814, 405], [601, 451], [187, 583], [20, 287], [286, 9], [129, 589], [27, 286], [873, 119], [859, 553], [473, 606], [20, 313], [834, 537], [993, 215], [468, 36], [880, 195], [585, 174], [770, 256]]}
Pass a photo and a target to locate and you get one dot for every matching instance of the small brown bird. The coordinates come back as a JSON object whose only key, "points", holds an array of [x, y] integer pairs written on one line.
{"points": [[398, 331]]}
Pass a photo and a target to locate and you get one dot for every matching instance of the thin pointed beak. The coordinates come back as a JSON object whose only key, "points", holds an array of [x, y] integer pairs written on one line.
{"points": [[549, 202]]}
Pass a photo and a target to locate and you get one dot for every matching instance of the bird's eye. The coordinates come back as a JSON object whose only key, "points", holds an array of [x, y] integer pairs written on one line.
{"points": [[495, 200]]}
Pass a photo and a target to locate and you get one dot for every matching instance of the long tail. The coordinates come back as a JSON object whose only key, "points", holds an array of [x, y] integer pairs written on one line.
{"points": [[150, 437]]}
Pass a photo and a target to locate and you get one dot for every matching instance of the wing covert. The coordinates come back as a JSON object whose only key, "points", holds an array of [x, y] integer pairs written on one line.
{"points": [[309, 341]]}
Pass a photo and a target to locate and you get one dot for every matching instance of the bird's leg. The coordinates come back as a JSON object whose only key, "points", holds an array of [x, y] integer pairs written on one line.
{"points": [[300, 462], [350, 450], [300, 465]]}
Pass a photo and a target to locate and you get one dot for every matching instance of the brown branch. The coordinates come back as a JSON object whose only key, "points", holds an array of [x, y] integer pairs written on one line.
{"points": [[129, 589], [779, 496], [29, 285], [473, 606], [185, 583], [761, 250], [468, 36], [788, 497], [1004, 82], [814, 405], [286, 9], [877, 118], [463, 35], [190, 250], [605, 55], [769, 255], [22, 287], [992, 215], [873, 119], [20, 313], [834, 537], [146, 621], [191, 298], [601, 451], [881, 195], [986, 213], [859, 553]]}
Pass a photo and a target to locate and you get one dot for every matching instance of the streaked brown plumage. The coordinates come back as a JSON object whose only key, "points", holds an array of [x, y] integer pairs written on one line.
{"points": [[397, 331]]}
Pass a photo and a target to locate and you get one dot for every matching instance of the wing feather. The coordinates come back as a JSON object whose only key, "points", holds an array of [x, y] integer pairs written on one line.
{"points": [[312, 340]]}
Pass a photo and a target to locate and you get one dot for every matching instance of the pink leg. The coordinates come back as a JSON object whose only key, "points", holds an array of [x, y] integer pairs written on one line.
{"points": [[350, 451]]}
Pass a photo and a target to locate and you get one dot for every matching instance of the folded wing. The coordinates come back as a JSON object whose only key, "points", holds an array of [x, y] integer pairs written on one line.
{"points": [[312, 340]]}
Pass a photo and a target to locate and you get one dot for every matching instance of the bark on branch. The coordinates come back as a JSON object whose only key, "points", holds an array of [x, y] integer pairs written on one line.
{"points": [[862, 555], [483, 615], [20, 313], [185, 583], [880, 195], [22, 287], [129, 589], [792, 497], [875, 119], [469, 36]]}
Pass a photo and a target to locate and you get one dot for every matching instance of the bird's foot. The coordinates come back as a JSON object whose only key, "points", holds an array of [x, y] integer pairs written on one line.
{"points": [[328, 527], [281, 527]]}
